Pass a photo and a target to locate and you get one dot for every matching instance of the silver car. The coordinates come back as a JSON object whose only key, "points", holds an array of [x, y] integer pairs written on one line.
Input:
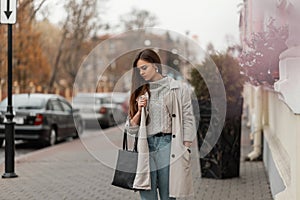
{"points": [[98, 108]]}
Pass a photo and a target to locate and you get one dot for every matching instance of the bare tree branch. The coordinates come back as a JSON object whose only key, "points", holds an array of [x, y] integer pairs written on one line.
{"points": [[58, 55], [36, 10], [82, 21]]}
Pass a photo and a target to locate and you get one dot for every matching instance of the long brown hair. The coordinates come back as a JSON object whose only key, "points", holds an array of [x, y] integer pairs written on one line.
{"points": [[139, 86]]}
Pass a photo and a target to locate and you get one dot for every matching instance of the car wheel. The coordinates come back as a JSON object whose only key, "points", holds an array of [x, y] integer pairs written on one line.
{"points": [[52, 137], [112, 122], [1, 142]]}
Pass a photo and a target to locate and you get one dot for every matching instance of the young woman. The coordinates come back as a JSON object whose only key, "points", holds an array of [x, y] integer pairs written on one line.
{"points": [[170, 126]]}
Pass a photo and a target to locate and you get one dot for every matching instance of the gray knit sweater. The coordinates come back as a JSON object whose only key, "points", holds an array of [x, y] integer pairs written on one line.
{"points": [[160, 120]]}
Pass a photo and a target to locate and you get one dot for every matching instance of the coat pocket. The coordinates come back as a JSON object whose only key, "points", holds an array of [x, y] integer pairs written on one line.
{"points": [[186, 157]]}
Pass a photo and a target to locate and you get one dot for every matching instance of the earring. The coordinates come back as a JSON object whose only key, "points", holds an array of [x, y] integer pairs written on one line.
{"points": [[156, 70]]}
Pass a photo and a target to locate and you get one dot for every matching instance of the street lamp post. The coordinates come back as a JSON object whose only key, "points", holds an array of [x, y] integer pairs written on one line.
{"points": [[9, 124]]}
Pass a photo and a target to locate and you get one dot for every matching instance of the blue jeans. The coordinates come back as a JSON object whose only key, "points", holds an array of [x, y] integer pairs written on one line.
{"points": [[159, 148]]}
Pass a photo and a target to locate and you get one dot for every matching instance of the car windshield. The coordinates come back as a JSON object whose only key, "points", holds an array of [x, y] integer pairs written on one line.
{"points": [[25, 102]]}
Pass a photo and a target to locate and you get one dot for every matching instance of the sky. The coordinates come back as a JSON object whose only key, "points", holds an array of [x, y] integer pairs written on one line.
{"points": [[214, 21], [211, 20]]}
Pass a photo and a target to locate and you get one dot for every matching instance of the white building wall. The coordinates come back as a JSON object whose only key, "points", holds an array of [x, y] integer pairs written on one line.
{"points": [[281, 150], [282, 135], [281, 107]]}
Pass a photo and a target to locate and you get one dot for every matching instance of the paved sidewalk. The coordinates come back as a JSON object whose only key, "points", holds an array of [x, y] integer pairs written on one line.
{"points": [[69, 171]]}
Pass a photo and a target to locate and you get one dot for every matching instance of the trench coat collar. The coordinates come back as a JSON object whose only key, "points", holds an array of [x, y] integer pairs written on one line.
{"points": [[174, 84]]}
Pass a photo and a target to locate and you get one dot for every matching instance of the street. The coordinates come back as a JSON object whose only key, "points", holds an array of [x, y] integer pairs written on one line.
{"points": [[74, 171]]}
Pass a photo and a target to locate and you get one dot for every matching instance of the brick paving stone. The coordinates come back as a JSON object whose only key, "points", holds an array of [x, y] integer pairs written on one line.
{"points": [[69, 172]]}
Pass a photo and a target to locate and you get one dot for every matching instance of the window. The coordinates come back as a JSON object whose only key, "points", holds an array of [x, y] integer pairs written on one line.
{"points": [[66, 106], [55, 105]]}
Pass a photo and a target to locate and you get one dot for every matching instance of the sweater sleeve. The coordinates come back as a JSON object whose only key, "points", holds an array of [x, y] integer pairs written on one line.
{"points": [[188, 118], [131, 130]]}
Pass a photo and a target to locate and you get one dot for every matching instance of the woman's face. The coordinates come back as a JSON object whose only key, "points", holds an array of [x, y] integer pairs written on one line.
{"points": [[147, 70]]}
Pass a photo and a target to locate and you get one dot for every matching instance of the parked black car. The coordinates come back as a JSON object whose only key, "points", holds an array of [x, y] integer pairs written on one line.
{"points": [[43, 117]]}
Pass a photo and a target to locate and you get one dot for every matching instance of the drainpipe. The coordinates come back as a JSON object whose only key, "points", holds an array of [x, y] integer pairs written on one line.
{"points": [[247, 95], [256, 125]]}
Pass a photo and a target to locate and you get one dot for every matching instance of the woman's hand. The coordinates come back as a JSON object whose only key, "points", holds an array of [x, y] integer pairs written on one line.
{"points": [[187, 144], [142, 102]]}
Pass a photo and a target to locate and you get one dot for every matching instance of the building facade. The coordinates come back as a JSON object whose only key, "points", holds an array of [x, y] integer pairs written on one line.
{"points": [[274, 112]]}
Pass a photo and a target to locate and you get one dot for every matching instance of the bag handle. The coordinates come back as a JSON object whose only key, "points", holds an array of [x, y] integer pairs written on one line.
{"points": [[125, 146], [125, 143]]}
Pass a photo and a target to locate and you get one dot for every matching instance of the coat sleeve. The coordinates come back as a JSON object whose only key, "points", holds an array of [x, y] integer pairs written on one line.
{"points": [[188, 117]]}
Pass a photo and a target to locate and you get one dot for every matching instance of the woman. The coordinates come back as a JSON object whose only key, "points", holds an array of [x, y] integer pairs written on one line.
{"points": [[170, 126]]}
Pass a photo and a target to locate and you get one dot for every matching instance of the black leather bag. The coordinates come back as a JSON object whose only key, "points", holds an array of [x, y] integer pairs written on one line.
{"points": [[125, 170]]}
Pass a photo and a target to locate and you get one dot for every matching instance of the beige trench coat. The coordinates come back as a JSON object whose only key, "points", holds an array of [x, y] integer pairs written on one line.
{"points": [[179, 105]]}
